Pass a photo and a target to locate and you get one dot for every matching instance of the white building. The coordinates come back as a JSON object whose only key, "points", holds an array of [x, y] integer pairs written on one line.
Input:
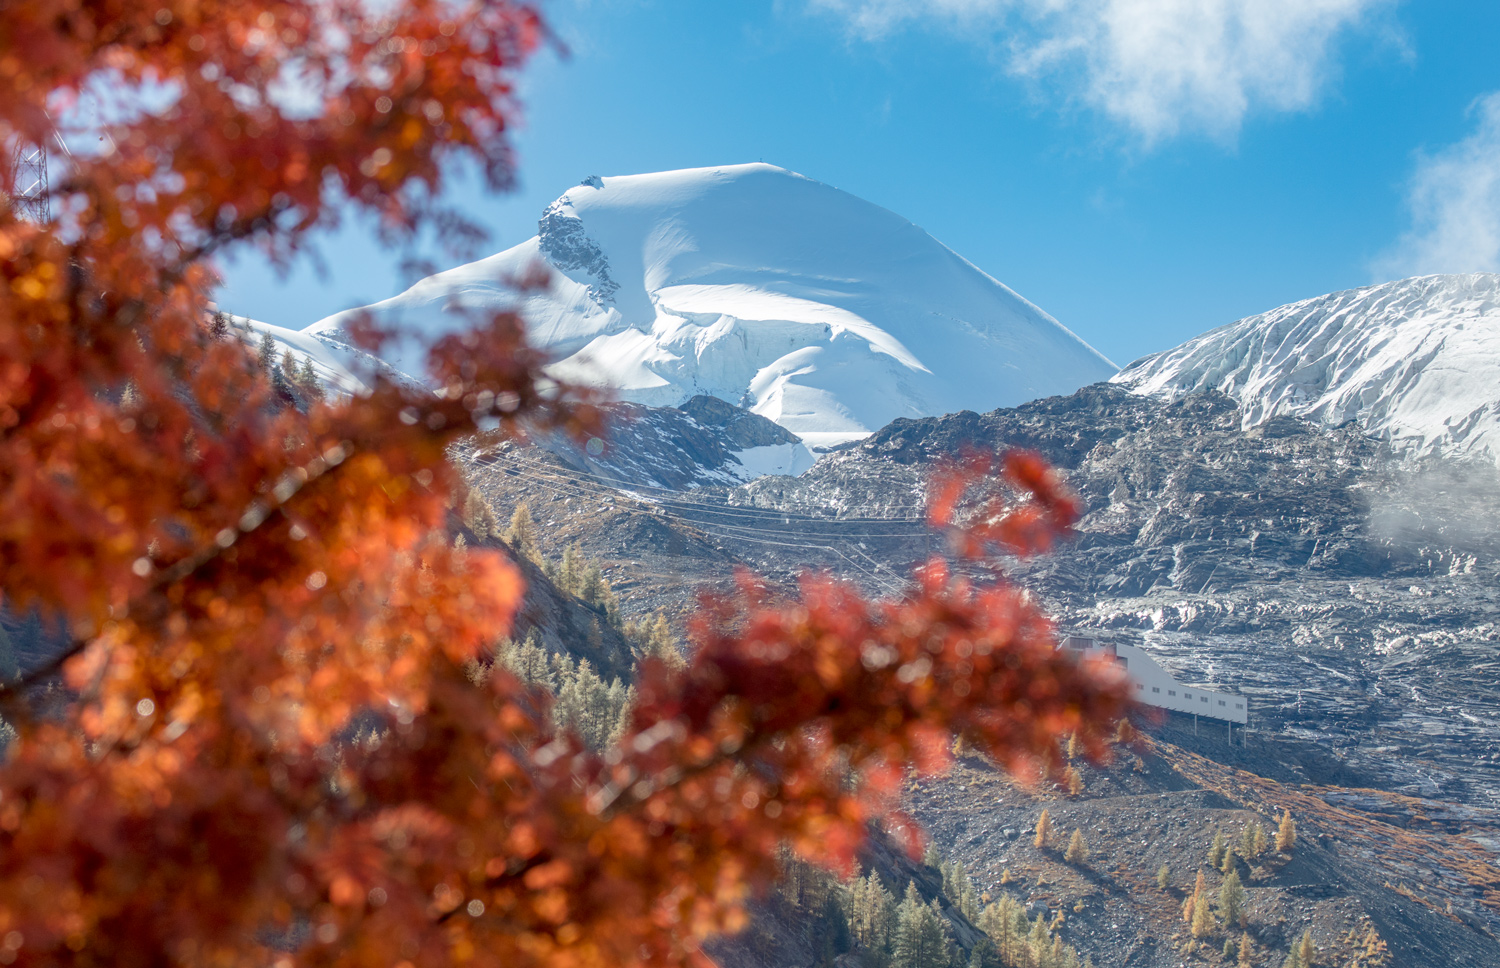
{"points": [[1154, 685]]}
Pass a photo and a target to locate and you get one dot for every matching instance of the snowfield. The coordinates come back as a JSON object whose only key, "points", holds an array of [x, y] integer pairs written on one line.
{"points": [[824, 313], [1415, 361]]}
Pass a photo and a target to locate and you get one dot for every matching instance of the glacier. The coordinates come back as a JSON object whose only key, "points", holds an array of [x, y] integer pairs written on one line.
{"points": [[802, 303], [1416, 362]]}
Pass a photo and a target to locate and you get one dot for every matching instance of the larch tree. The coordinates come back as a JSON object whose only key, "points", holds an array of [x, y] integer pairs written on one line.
{"points": [[1233, 903], [1078, 848], [1043, 830], [267, 747], [1286, 833]]}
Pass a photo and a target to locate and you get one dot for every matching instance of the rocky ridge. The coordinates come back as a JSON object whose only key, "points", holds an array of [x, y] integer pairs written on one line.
{"points": [[1345, 587]]}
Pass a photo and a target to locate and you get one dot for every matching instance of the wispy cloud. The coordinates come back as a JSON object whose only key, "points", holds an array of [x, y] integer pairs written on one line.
{"points": [[1454, 201], [1160, 67]]}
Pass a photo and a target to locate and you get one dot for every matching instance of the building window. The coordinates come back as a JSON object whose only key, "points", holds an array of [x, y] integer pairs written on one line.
{"points": [[1203, 699], [1139, 686], [1171, 692], [1156, 688], [1239, 705], [1187, 695], [1222, 703]]}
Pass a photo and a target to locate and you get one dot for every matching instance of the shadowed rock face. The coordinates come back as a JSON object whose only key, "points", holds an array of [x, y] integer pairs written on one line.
{"points": [[705, 442]]}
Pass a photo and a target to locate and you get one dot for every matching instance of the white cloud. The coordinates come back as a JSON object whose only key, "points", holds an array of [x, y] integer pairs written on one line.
{"points": [[1158, 66], [1454, 200]]}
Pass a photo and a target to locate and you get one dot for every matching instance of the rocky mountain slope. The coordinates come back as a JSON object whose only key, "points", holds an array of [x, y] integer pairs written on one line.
{"points": [[1347, 588], [824, 313], [1416, 362]]}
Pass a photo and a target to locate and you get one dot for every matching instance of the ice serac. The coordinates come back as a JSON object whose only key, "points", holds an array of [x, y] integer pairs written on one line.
{"points": [[1415, 361], [824, 313]]}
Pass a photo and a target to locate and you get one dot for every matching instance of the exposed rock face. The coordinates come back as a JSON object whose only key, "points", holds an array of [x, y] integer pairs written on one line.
{"points": [[1348, 590], [705, 442], [565, 242]]}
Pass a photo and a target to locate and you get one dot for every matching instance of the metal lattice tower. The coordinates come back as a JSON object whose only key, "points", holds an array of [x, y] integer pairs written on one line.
{"points": [[32, 198]]}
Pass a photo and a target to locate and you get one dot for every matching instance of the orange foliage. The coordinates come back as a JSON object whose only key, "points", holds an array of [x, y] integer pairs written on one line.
{"points": [[267, 750]]}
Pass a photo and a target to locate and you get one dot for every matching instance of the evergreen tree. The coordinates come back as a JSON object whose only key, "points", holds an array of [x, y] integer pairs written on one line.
{"points": [[1043, 829], [1163, 877], [1247, 841], [1286, 833], [873, 920], [1227, 864], [1078, 849], [288, 367], [1233, 904], [528, 661], [478, 517], [652, 638], [1247, 951], [265, 354], [1216, 850], [307, 379], [521, 535], [1260, 840], [920, 939], [569, 576]]}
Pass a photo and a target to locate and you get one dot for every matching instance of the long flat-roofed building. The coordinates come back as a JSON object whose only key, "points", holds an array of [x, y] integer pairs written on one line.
{"points": [[1154, 685]]}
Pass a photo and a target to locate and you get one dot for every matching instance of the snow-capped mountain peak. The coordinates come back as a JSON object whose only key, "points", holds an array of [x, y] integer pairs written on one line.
{"points": [[824, 313], [1416, 361]]}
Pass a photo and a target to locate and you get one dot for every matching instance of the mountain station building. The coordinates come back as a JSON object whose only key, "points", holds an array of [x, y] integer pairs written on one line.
{"points": [[1154, 685]]}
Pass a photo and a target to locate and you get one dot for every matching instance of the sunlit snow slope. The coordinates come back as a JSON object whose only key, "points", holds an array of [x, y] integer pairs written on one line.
{"points": [[1416, 361], [822, 312]]}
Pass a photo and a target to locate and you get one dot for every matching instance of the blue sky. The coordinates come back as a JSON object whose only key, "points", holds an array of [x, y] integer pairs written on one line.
{"points": [[1144, 170]]}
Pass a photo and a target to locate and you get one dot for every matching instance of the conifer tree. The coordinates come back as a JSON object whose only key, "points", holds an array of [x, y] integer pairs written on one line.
{"points": [[288, 366], [478, 517], [521, 535], [1202, 923], [1233, 905], [1163, 877], [1260, 839], [653, 638], [1039, 942], [307, 379], [1216, 850], [1227, 864], [1074, 781], [920, 939], [1247, 951], [1286, 833], [265, 354], [1078, 849], [1307, 952], [569, 576], [874, 915], [1191, 903], [1247, 841], [1043, 829]]}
